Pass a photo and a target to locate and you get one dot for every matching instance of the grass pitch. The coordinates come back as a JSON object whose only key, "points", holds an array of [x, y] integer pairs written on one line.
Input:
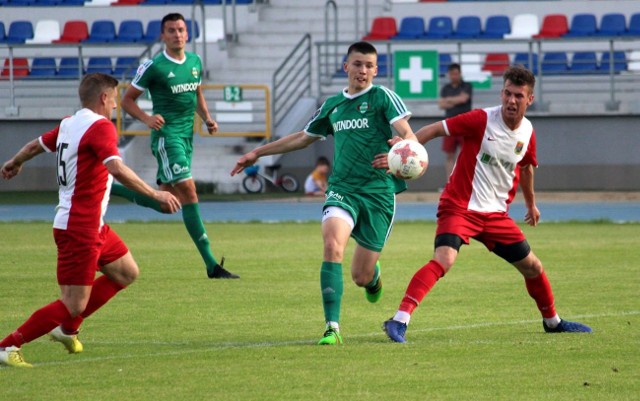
{"points": [[176, 335]]}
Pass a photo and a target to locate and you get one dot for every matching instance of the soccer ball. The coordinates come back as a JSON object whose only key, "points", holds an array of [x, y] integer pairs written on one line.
{"points": [[408, 160]]}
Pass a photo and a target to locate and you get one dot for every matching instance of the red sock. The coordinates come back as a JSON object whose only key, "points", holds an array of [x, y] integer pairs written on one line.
{"points": [[540, 290], [420, 285], [40, 323], [102, 291]]}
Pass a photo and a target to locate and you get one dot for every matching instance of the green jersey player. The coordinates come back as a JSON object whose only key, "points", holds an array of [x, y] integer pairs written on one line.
{"points": [[360, 199], [173, 79]]}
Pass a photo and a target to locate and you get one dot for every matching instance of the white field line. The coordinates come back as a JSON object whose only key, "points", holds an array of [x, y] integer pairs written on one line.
{"points": [[181, 348]]}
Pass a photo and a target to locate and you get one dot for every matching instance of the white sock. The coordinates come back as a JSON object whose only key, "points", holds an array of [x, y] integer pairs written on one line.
{"points": [[552, 322], [333, 325], [402, 317]]}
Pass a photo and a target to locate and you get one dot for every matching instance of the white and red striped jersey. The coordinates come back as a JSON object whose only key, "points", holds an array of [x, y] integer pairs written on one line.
{"points": [[487, 171], [84, 142]]}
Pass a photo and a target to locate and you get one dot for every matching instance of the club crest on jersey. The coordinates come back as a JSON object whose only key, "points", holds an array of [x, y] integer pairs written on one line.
{"points": [[362, 108], [519, 147], [194, 72]]}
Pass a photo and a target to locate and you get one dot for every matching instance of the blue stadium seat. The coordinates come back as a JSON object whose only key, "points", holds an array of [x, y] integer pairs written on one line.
{"points": [[584, 62], [468, 26], [523, 60], [410, 28], [619, 61], [126, 67], [19, 3], [43, 68], [192, 36], [634, 25], [554, 63], [444, 60], [496, 27], [47, 3], [19, 32], [613, 24], [582, 25], [152, 33], [100, 64], [384, 64], [440, 27], [71, 3], [154, 2], [69, 68], [130, 31], [3, 34], [102, 31]]}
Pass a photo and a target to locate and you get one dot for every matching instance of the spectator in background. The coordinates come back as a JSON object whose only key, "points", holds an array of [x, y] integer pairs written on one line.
{"points": [[455, 98], [316, 182]]}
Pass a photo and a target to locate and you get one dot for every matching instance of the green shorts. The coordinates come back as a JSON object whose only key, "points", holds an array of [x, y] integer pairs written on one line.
{"points": [[174, 158], [372, 215]]}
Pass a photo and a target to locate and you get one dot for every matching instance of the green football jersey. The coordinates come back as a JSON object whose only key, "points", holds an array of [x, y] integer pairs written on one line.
{"points": [[172, 85], [361, 126]]}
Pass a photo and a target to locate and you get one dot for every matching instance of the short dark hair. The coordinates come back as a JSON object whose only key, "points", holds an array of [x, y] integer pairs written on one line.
{"points": [[93, 85], [520, 76], [322, 161], [454, 66], [362, 47], [172, 17]]}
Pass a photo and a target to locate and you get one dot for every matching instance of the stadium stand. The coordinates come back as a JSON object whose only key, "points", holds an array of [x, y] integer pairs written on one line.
{"points": [[99, 3], [129, 31], [554, 63], [496, 63], [43, 68], [3, 33], [152, 33], [214, 30], [382, 28], [69, 68], [523, 60], [125, 67], [444, 60], [410, 28], [20, 68], [553, 26], [619, 61], [634, 25], [496, 26], [613, 24], [467, 27], [19, 32], [524, 26], [582, 25], [584, 62], [46, 32], [633, 64], [100, 64], [440, 27], [102, 31], [73, 31]]}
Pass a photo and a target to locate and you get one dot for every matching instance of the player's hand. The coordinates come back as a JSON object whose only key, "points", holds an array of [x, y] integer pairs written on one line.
{"points": [[212, 126], [168, 202], [155, 122], [394, 140], [10, 169], [533, 216], [247, 160], [380, 161]]}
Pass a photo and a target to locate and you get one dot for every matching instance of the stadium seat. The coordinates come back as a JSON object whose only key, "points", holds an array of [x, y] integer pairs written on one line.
{"points": [[74, 31], [554, 63], [190, 30], [634, 25], [102, 31], [69, 68], [126, 67], [553, 26], [619, 62], [584, 62], [496, 63], [155, 2], [47, 30], [382, 28], [20, 3], [126, 3], [384, 65], [613, 24], [634, 61], [71, 3], [471, 68], [19, 32], [444, 60], [496, 27], [130, 31], [43, 68], [99, 3], [20, 68], [3, 33], [410, 28], [523, 60], [100, 64], [524, 26], [440, 27], [467, 27], [47, 3], [582, 25], [152, 34], [213, 30]]}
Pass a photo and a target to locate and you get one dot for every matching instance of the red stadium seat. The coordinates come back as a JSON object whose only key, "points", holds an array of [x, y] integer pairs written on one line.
{"points": [[496, 63], [382, 28], [126, 2], [74, 31], [553, 26], [20, 68]]}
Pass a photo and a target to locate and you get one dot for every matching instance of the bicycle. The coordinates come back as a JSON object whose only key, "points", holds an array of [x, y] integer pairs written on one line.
{"points": [[255, 181]]}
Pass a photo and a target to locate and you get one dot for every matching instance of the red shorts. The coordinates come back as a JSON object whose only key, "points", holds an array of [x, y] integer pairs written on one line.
{"points": [[488, 228], [82, 253], [451, 143]]}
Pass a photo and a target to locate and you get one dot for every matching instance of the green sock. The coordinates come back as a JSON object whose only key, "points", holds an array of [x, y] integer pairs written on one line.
{"points": [[195, 227], [132, 196], [332, 286], [376, 275]]}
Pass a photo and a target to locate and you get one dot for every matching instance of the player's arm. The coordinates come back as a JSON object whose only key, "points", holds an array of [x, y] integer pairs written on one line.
{"points": [[526, 186], [130, 179], [203, 112], [404, 130], [286, 144], [431, 131], [129, 105], [13, 166]]}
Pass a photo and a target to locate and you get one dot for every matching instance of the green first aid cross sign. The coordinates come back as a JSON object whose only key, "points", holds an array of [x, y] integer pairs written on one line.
{"points": [[416, 74]]}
